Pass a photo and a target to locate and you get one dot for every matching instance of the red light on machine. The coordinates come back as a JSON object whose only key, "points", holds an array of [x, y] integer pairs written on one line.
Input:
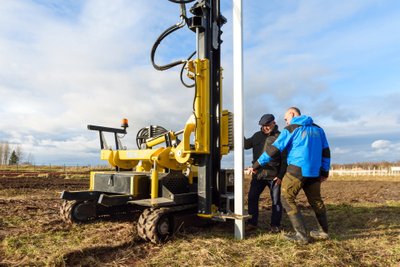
{"points": [[124, 123]]}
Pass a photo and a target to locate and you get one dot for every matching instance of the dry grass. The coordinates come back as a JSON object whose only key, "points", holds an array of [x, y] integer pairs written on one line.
{"points": [[362, 235], [393, 178], [365, 231]]}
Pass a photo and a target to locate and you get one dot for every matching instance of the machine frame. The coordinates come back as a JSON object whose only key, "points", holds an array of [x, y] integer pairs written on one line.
{"points": [[169, 175]]}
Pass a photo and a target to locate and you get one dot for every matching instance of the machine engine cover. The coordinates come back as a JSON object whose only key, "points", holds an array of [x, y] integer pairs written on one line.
{"points": [[120, 183]]}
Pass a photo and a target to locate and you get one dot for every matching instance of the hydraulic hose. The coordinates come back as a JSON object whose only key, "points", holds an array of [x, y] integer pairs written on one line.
{"points": [[183, 67], [157, 43], [165, 34]]}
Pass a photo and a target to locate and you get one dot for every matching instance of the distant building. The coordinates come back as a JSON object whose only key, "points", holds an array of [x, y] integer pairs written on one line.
{"points": [[395, 170]]}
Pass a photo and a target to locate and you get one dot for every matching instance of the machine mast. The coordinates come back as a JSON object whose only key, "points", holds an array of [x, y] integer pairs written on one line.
{"points": [[207, 22]]}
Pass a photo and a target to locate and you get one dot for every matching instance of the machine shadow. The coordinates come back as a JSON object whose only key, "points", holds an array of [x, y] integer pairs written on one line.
{"points": [[95, 256]]}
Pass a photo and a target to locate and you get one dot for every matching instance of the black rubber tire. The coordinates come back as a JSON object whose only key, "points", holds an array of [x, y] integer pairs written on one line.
{"points": [[70, 214], [155, 225]]}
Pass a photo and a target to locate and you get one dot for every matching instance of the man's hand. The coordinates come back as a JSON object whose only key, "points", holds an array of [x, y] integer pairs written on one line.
{"points": [[250, 171], [277, 181]]}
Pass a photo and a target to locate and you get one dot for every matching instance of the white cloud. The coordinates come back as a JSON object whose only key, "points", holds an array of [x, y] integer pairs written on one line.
{"points": [[57, 75], [381, 144], [66, 65], [382, 147]]}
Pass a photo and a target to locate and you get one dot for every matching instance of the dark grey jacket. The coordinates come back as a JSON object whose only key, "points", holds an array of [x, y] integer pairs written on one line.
{"points": [[258, 142]]}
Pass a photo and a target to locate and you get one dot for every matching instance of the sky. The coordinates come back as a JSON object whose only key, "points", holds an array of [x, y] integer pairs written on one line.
{"points": [[66, 64]]}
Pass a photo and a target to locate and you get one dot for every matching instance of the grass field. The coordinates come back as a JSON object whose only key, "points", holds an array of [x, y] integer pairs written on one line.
{"points": [[364, 216]]}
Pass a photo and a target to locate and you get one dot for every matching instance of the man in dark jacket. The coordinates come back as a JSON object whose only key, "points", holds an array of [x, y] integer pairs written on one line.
{"points": [[308, 165], [270, 175]]}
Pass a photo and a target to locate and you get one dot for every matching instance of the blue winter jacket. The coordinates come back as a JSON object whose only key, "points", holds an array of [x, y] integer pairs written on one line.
{"points": [[307, 148]]}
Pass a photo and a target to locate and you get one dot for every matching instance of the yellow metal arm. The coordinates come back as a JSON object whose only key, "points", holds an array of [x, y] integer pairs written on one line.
{"points": [[197, 128], [160, 139]]}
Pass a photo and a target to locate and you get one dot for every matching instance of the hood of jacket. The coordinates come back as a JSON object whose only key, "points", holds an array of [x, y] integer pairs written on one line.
{"points": [[302, 120]]}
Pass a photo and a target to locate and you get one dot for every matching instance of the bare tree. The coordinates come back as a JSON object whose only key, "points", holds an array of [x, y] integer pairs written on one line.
{"points": [[4, 152], [19, 153], [1, 152], [30, 159]]}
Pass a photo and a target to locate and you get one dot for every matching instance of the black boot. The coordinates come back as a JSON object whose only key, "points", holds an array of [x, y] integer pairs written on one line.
{"points": [[300, 229], [322, 232]]}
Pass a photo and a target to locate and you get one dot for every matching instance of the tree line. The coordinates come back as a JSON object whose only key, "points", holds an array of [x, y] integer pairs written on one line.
{"points": [[10, 155], [367, 165]]}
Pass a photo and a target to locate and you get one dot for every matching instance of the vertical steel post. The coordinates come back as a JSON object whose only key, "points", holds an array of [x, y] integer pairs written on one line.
{"points": [[238, 114]]}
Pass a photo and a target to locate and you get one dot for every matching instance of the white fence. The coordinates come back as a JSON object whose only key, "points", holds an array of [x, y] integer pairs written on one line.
{"points": [[391, 171]]}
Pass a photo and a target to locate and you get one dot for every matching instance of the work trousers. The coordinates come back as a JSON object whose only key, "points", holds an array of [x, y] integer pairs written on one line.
{"points": [[291, 187], [256, 188]]}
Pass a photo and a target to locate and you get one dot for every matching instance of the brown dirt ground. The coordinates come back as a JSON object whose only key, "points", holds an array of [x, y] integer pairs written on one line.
{"points": [[37, 198]]}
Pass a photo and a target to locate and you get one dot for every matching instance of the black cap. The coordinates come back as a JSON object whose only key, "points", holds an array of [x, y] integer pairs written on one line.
{"points": [[266, 119]]}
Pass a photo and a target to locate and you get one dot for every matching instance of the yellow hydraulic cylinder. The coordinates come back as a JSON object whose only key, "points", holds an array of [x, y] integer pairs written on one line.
{"points": [[160, 139], [91, 183], [154, 182], [201, 104]]}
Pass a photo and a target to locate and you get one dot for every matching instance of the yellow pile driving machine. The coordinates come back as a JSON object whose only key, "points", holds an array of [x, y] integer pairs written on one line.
{"points": [[172, 172]]}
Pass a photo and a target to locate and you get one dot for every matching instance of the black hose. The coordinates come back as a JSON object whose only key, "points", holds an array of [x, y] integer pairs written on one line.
{"points": [[157, 43], [183, 67]]}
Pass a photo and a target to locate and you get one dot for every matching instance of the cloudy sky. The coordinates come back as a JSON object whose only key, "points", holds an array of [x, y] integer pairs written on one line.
{"points": [[66, 64]]}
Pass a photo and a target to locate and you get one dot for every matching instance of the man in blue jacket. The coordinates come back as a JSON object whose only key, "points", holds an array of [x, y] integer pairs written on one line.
{"points": [[308, 162]]}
